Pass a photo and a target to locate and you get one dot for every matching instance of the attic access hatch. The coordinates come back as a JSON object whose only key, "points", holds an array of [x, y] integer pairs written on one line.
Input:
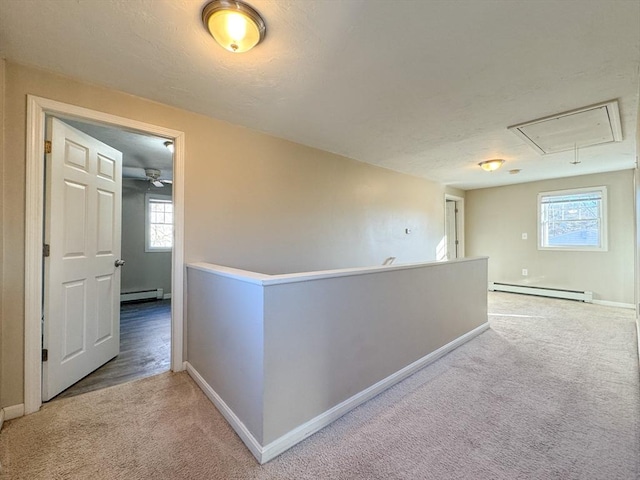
{"points": [[584, 127]]}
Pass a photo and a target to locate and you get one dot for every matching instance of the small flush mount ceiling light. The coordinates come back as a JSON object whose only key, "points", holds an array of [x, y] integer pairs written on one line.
{"points": [[491, 165], [234, 24], [169, 146]]}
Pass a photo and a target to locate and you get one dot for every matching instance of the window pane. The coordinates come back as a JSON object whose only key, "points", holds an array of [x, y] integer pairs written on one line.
{"points": [[161, 236], [160, 223], [584, 233], [572, 220]]}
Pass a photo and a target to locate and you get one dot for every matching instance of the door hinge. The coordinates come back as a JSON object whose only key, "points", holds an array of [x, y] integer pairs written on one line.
{"points": [[46, 250], [45, 355], [456, 210], [457, 242], [47, 146]]}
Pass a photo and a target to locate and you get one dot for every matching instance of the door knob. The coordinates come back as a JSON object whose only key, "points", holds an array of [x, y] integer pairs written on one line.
{"points": [[119, 263]]}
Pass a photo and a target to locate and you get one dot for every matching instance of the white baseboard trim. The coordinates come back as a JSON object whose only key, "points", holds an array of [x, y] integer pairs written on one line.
{"points": [[245, 435], [607, 303], [11, 412], [166, 296], [288, 440]]}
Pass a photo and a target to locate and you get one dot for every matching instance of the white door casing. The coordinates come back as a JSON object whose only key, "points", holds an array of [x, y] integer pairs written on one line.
{"points": [[37, 109], [82, 283], [451, 230], [457, 226]]}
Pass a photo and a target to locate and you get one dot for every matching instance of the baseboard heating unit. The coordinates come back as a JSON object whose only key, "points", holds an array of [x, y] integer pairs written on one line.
{"points": [[158, 294], [582, 296]]}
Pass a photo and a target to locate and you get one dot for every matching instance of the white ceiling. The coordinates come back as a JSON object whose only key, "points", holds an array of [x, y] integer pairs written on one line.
{"points": [[423, 87]]}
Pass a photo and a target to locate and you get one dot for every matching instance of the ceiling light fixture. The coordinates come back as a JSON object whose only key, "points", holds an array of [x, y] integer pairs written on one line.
{"points": [[169, 146], [235, 25], [491, 165]]}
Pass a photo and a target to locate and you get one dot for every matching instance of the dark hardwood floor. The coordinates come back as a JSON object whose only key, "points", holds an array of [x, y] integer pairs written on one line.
{"points": [[145, 348]]}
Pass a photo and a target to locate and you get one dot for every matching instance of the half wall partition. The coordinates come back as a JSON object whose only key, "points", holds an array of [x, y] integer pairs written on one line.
{"points": [[282, 356]]}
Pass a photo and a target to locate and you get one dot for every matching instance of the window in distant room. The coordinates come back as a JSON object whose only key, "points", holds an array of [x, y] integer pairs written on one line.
{"points": [[573, 219], [159, 223]]}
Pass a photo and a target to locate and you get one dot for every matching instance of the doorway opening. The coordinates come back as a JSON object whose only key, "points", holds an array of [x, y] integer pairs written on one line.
{"points": [[454, 227], [37, 109], [143, 300]]}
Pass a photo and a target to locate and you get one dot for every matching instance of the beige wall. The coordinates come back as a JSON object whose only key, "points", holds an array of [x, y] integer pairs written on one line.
{"points": [[497, 217], [455, 192], [251, 201], [637, 225], [2, 206], [143, 270]]}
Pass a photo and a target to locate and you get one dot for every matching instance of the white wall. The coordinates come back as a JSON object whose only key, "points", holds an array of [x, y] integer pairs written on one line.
{"points": [[142, 270], [225, 342], [329, 339], [496, 218], [282, 351]]}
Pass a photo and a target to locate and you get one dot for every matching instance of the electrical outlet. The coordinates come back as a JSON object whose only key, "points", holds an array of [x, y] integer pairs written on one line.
{"points": [[525, 272]]}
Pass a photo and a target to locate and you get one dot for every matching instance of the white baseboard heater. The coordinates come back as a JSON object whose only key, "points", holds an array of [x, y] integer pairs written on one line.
{"points": [[582, 296], [158, 294]]}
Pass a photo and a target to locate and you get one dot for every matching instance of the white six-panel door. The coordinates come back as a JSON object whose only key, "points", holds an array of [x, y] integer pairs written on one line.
{"points": [[81, 314]]}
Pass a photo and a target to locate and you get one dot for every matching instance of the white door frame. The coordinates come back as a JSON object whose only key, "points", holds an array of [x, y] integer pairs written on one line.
{"points": [[37, 109], [459, 220]]}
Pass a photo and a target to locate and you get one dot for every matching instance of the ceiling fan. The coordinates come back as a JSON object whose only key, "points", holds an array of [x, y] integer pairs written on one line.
{"points": [[152, 175]]}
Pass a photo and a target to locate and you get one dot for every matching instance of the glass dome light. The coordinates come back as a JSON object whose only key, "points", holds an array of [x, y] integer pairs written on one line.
{"points": [[235, 25]]}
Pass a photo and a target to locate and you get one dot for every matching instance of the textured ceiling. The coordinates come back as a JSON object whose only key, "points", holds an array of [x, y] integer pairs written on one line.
{"points": [[423, 87]]}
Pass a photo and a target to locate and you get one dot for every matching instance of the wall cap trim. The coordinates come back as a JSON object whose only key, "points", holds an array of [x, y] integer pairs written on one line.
{"points": [[267, 280]]}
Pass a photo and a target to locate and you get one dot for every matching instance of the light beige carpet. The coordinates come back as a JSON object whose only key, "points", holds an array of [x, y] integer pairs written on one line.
{"points": [[550, 392]]}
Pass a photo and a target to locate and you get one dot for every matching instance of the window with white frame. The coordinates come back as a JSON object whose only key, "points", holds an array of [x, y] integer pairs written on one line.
{"points": [[159, 223], [573, 219]]}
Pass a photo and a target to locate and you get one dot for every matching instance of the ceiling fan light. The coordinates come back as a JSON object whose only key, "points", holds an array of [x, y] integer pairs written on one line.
{"points": [[236, 26], [491, 165]]}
